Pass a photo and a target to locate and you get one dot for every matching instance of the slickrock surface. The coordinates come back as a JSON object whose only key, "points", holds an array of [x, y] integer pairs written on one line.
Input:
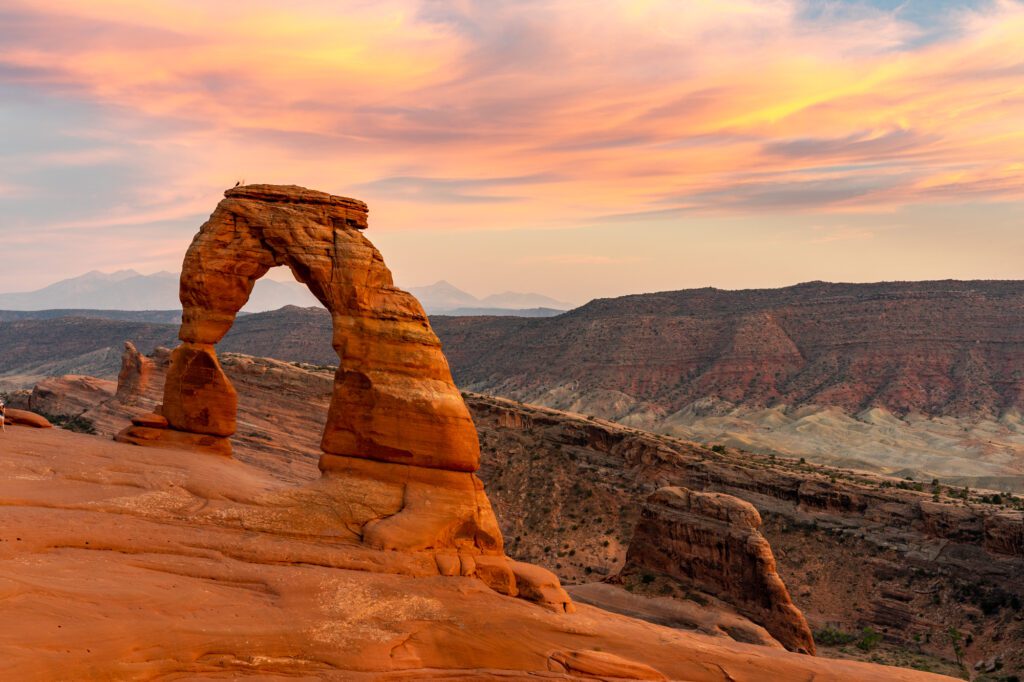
{"points": [[122, 562], [567, 492], [394, 399], [711, 542], [18, 417]]}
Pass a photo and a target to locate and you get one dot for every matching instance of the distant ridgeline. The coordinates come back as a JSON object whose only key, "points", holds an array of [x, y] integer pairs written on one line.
{"points": [[937, 348]]}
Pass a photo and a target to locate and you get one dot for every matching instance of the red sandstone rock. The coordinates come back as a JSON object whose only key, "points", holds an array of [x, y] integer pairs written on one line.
{"points": [[540, 585], [26, 418], [151, 420], [135, 375], [122, 562], [198, 396], [162, 437], [394, 399], [711, 542], [601, 665]]}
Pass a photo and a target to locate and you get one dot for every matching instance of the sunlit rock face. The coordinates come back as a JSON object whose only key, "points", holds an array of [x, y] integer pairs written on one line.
{"points": [[394, 399], [711, 542]]}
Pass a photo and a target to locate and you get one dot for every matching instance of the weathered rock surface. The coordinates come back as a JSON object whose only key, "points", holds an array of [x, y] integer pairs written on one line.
{"points": [[855, 550], [135, 375], [121, 562], [26, 418], [711, 542], [393, 400], [567, 492]]}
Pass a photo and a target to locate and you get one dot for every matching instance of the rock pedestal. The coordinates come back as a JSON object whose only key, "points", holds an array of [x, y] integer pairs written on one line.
{"points": [[711, 542], [135, 375]]}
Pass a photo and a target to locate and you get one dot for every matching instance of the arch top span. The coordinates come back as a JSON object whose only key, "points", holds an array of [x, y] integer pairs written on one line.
{"points": [[393, 400]]}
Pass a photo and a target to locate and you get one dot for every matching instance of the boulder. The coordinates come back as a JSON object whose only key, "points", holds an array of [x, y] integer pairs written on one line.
{"points": [[163, 437], [151, 420], [26, 418], [711, 542]]}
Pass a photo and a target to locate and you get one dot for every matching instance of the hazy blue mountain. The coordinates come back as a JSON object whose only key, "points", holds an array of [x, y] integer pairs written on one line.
{"points": [[127, 290], [443, 296], [516, 299]]}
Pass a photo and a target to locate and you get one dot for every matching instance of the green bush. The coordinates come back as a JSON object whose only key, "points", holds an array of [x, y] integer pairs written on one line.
{"points": [[829, 636], [869, 639], [76, 423]]}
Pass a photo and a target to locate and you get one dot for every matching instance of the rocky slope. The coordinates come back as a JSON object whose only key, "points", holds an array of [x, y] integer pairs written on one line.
{"points": [[855, 550], [920, 379], [125, 562]]}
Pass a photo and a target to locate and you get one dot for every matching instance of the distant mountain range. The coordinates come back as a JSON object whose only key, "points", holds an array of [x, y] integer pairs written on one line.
{"points": [[128, 290], [920, 379], [442, 298]]}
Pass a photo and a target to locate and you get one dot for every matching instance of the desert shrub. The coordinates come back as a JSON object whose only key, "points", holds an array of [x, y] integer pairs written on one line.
{"points": [[869, 639], [719, 449], [829, 636], [76, 423]]}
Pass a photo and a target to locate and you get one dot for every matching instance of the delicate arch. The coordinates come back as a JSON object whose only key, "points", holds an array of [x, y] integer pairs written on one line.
{"points": [[394, 399]]}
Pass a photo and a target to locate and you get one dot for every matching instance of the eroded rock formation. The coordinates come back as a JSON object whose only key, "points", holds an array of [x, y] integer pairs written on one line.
{"points": [[711, 542], [135, 375], [119, 562], [26, 418], [394, 399], [399, 446]]}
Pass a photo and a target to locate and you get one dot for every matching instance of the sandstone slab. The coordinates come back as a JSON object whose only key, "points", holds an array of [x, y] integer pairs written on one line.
{"points": [[26, 418]]}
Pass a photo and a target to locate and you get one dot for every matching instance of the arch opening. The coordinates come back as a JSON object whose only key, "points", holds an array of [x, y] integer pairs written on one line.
{"points": [[393, 398]]}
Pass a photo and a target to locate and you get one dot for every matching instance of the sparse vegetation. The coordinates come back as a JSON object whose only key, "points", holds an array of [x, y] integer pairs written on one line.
{"points": [[76, 423], [869, 639], [829, 636]]}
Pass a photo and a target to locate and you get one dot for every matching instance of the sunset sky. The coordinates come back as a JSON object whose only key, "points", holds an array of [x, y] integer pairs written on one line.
{"points": [[578, 148]]}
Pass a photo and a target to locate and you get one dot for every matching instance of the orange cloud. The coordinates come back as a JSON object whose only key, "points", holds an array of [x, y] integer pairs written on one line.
{"points": [[437, 111]]}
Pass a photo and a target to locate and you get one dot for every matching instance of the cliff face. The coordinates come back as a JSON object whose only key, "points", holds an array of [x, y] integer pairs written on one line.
{"points": [[939, 348], [855, 550], [711, 542]]}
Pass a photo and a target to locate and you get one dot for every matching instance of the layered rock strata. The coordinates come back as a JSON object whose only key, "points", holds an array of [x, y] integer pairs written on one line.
{"points": [[711, 542], [394, 399], [135, 375], [399, 446]]}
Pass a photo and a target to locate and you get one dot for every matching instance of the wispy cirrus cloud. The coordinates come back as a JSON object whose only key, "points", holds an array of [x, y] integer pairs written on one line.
{"points": [[497, 115]]}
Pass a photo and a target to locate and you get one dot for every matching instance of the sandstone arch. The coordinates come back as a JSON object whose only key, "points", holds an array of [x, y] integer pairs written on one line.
{"points": [[394, 399]]}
